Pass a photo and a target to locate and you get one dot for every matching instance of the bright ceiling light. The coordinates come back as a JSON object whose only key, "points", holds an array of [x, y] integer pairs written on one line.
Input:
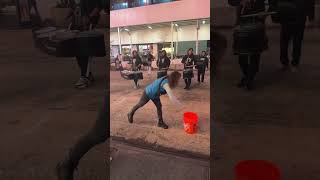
{"points": [[126, 29], [176, 25], [203, 22], [149, 27]]}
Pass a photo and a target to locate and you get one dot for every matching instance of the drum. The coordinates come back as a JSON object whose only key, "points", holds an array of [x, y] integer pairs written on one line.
{"points": [[187, 73], [249, 38], [234, 2], [162, 73], [90, 43], [131, 75], [62, 44]]}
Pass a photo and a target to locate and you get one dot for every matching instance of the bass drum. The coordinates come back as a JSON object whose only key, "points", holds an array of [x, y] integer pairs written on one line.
{"points": [[234, 2], [250, 38], [90, 43]]}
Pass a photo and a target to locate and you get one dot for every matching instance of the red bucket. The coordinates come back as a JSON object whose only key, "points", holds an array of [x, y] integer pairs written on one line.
{"points": [[256, 170], [190, 120]]}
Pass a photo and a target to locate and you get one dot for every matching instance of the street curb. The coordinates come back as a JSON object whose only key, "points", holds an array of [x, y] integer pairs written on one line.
{"points": [[139, 143]]}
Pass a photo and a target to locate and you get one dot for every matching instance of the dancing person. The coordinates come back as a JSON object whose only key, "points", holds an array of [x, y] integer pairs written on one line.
{"points": [[202, 64], [153, 92], [188, 62]]}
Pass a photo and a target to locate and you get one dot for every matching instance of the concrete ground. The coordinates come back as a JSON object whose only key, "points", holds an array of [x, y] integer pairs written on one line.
{"points": [[135, 163], [144, 129], [278, 122], [42, 114]]}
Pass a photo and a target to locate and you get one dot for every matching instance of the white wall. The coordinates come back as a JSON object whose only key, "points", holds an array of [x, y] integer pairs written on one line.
{"points": [[187, 33]]}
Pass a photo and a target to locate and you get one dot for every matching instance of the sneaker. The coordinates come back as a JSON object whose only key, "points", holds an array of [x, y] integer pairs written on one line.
{"points": [[82, 83], [163, 125]]}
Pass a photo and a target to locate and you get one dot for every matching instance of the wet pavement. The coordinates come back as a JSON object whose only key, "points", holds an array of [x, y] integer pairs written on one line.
{"points": [[278, 121], [42, 114]]}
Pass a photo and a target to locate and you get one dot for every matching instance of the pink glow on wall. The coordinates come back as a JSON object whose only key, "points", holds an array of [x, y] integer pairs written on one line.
{"points": [[165, 12]]}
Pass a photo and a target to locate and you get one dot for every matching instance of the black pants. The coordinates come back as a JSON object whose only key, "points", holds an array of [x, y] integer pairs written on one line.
{"points": [[294, 33], [187, 82], [201, 73], [249, 65], [83, 64], [144, 100], [99, 133]]}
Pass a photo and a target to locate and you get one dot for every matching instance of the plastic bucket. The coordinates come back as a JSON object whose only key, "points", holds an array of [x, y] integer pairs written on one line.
{"points": [[190, 120], [256, 170]]}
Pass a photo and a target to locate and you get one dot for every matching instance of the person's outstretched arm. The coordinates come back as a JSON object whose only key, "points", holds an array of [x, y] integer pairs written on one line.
{"points": [[172, 97]]}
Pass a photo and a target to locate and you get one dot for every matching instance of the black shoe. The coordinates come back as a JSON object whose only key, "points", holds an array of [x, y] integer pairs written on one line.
{"points": [[64, 172], [242, 83], [130, 118], [162, 125], [250, 86], [185, 87]]}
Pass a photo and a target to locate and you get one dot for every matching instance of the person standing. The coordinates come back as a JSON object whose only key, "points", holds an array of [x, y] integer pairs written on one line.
{"points": [[292, 28], [202, 64], [163, 62], [89, 18], [188, 62], [249, 63], [136, 65], [150, 58]]}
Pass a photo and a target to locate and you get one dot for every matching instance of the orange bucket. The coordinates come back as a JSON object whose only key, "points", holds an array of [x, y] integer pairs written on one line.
{"points": [[256, 170], [190, 120]]}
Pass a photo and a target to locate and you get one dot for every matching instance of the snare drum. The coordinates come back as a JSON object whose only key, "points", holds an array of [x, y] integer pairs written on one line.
{"points": [[131, 75], [162, 73], [187, 73], [91, 43]]}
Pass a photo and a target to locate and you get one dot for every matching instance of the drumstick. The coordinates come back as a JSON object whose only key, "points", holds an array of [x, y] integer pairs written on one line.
{"points": [[259, 14]]}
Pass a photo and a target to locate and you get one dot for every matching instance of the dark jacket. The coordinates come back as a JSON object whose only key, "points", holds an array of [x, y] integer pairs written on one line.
{"points": [[188, 61], [305, 8], [149, 57], [136, 63], [163, 62], [202, 62]]}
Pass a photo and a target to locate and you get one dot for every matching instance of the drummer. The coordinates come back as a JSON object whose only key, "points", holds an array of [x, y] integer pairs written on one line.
{"points": [[202, 64], [90, 14], [163, 62], [249, 64], [188, 61], [153, 92], [136, 65]]}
